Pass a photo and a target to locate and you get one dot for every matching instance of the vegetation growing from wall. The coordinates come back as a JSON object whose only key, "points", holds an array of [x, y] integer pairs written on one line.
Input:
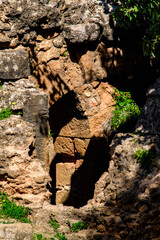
{"points": [[1, 84], [143, 15], [53, 223], [145, 157], [75, 227], [125, 109], [9, 209], [5, 113]]}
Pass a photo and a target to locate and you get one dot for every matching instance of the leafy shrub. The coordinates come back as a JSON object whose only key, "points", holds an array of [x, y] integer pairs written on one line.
{"points": [[77, 226], [146, 158], [10, 209], [60, 236], [53, 223], [125, 109], [38, 236], [142, 15], [5, 113]]}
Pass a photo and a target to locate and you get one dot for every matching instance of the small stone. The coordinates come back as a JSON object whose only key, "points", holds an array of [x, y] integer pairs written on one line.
{"points": [[123, 233], [117, 220], [39, 38], [143, 208], [39, 179], [45, 45], [101, 228], [4, 41]]}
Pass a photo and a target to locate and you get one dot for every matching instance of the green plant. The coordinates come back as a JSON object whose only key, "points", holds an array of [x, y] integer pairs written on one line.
{"points": [[9, 209], [8, 222], [77, 226], [1, 84], [142, 16], [145, 157], [60, 236], [53, 223], [50, 133], [125, 109], [38, 236], [65, 53], [5, 113]]}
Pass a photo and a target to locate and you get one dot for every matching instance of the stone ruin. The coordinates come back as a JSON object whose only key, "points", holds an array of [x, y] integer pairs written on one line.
{"points": [[59, 61]]}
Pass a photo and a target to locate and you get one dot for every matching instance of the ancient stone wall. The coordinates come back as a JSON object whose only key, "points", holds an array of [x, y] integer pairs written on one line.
{"points": [[58, 43], [58, 62], [70, 50]]}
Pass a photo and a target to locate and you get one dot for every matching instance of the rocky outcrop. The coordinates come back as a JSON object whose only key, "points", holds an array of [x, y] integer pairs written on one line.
{"points": [[24, 135], [22, 174], [149, 122]]}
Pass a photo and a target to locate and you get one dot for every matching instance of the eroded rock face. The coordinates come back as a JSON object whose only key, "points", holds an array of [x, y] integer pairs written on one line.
{"points": [[22, 174], [14, 64], [18, 231], [22, 96], [149, 122]]}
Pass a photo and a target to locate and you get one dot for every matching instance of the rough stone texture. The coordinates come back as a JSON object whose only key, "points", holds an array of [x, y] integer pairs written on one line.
{"points": [[24, 144], [91, 106], [64, 173], [4, 41], [60, 70], [14, 64], [85, 20], [16, 231], [31, 14], [81, 33], [22, 175], [64, 146], [149, 122], [23, 96]]}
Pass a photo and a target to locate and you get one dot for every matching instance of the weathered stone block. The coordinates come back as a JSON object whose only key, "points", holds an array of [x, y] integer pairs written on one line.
{"points": [[81, 32], [4, 41], [61, 196], [81, 146], [22, 172], [23, 96], [92, 66], [14, 64], [76, 128], [64, 172], [16, 231], [64, 146]]}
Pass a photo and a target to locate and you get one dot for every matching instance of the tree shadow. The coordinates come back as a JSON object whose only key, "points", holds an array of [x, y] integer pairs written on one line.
{"points": [[132, 216], [63, 111], [133, 212]]}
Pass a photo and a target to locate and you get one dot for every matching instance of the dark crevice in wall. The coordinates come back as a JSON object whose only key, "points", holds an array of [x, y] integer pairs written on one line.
{"points": [[52, 186], [96, 162]]}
